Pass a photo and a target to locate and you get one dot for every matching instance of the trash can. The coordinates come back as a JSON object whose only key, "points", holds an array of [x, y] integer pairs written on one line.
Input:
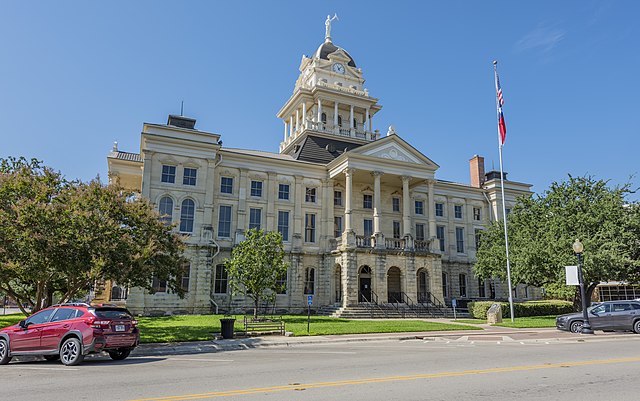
{"points": [[226, 327]]}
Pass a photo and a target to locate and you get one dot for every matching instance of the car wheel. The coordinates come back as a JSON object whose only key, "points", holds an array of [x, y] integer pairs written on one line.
{"points": [[71, 352], [636, 327], [4, 352], [576, 326], [120, 354], [51, 357]]}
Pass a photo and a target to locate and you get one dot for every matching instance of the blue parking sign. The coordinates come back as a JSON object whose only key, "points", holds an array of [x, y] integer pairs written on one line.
{"points": [[309, 299], [454, 303]]}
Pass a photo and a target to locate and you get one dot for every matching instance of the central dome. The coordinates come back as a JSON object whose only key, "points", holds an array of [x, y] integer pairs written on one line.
{"points": [[327, 48]]}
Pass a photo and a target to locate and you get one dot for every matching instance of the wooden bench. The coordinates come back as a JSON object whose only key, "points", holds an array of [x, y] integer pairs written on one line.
{"points": [[263, 326]]}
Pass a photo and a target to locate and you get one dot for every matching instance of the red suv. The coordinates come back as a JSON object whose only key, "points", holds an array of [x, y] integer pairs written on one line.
{"points": [[71, 331]]}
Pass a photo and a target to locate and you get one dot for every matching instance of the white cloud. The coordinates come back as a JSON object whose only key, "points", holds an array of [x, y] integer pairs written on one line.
{"points": [[543, 38]]}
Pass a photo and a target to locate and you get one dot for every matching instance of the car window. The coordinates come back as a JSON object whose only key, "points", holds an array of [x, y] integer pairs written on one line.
{"points": [[599, 309], [63, 314], [635, 306], [40, 317], [113, 313], [621, 307]]}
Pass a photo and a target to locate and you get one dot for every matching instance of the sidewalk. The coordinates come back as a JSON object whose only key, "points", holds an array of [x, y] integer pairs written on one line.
{"points": [[489, 333]]}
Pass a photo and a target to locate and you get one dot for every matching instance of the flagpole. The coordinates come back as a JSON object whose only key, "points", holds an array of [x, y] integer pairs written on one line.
{"points": [[504, 208]]}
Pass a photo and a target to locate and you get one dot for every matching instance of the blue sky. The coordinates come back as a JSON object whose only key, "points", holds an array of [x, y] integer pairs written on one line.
{"points": [[76, 76]]}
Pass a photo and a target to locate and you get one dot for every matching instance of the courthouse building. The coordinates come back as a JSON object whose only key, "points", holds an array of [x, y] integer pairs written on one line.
{"points": [[363, 214]]}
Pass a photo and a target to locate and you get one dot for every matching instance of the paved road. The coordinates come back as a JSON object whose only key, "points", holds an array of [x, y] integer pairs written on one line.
{"points": [[467, 367]]}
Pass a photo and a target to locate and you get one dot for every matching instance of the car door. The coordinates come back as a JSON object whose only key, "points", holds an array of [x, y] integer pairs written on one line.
{"points": [[600, 317], [57, 326], [622, 318], [27, 338]]}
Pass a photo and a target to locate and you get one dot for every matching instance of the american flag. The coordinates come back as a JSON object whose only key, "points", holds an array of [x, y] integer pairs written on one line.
{"points": [[502, 127], [499, 91]]}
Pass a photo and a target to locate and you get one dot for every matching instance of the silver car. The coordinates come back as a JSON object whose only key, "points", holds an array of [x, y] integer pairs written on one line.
{"points": [[607, 316]]}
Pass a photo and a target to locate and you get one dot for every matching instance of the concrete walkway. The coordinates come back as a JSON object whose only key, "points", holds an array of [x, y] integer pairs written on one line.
{"points": [[486, 333]]}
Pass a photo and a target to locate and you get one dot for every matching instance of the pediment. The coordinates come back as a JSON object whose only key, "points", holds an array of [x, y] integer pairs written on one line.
{"points": [[395, 148], [339, 55]]}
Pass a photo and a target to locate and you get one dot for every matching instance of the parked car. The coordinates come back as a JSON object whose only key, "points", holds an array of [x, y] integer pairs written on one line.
{"points": [[606, 316], [71, 331]]}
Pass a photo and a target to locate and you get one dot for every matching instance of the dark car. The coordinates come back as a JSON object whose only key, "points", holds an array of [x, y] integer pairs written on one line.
{"points": [[607, 316], [71, 331]]}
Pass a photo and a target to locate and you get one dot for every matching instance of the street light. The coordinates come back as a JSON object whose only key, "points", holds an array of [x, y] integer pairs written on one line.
{"points": [[577, 249]]}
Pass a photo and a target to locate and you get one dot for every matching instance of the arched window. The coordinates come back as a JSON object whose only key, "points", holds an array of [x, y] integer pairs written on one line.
{"points": [[166, 210], [309, 280], [323, 117], [339, 121], [186, 216]]}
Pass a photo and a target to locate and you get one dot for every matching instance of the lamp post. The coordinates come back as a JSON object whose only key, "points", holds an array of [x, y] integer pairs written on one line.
{"points": [[586, 326]]}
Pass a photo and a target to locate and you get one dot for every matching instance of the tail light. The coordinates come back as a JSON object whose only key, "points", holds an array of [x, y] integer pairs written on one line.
{"points": [[134, 323], [100, 324]]}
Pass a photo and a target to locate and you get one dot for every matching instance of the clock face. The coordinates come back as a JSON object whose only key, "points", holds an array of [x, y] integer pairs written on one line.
{"points": [[339, 68]]}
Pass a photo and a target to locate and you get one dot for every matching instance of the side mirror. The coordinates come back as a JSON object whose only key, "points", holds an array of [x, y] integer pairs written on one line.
{"points": [[593, 313], [23, 324]]}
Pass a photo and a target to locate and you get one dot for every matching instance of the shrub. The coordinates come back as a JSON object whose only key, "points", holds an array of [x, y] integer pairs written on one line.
{"points": [[479, 309]]}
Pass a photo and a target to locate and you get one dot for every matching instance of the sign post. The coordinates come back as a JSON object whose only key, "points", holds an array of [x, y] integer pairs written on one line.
{"points": [[309, 302], [454, 303]]}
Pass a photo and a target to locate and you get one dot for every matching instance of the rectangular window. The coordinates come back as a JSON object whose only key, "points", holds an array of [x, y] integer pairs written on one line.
{"points": [[457, 211], [310, 281], [224, 222], [189, 176], [462, 279], [221, 280], [395, 204], [337, 198], [283, 191], [419, 207], [337, 226], [186, 274], [476, 214], [309, 227], [478, 234], [440, 209], [281, 284], [159, 285], [255, 218], [420, 232], [368, 228], [310, 195], [168, 174], [481, 290], [396, 229], [283, 224], [367, 201], [459, 239], [226, 185], [440, 236], [256, 188], [445, 285]]}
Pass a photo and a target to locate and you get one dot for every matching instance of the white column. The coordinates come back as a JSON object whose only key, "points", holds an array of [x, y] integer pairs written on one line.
{"points": [[351, 118], [319, 112], [304, 115], [432, 211], [348, 172], [335, 117], [285, 131], [406, 205], [297, 120], [366, 120], [371, 124], [291, 125], [376, 201]]}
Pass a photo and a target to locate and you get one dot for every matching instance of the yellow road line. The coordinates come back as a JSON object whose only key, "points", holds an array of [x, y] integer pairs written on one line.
{"points": [[293, 387]]}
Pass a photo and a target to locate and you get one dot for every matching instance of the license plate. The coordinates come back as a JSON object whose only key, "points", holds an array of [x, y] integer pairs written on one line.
{"points": [[119, 327]]}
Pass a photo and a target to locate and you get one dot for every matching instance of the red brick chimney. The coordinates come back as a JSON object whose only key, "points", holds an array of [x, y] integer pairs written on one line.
{"points": [[476, 169]]}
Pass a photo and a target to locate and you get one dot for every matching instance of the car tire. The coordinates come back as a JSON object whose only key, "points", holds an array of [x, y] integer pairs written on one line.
{"points": [[71, 352], [4, 352], [576, 326], [636, 327], [51, 358], [120, 354]]}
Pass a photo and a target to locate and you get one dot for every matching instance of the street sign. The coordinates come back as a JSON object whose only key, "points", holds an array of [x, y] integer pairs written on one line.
{"points": [[309, 299], [572, 275], [454, 303]]}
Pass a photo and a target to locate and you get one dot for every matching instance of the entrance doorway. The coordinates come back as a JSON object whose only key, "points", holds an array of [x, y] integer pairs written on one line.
{"points": [[364, 284], [337, 281], [394, 288], [423, 287]]}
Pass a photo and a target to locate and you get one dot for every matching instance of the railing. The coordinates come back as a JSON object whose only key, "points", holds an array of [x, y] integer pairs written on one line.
{"points": [[363, 241], [421, 245], [344, 131], [330, 128], [394, 243], [429, 302], [371, 303]]}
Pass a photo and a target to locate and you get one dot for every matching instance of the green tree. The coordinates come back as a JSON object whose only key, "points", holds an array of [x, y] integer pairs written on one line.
{"points": [[58, 237], [256, 264], [543, 228]]}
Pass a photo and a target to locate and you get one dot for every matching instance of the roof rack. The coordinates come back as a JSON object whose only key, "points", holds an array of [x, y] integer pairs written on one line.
{"points": [[73, 304]]}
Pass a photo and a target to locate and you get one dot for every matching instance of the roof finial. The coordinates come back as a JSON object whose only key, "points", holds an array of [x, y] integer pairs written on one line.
{"points": [[392, 131], [115, 146], [327, 25]]}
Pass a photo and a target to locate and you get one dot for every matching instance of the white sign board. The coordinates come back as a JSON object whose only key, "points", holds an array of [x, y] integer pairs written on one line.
{"points": [[572, 275]]}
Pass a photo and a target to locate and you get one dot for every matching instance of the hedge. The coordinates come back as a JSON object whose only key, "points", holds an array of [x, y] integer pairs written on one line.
{"points": [[479, 309]]}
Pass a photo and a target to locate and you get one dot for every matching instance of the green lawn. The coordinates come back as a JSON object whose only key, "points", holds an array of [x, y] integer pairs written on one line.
{"points": [[529, 322], [10, 320], [471, 321]]}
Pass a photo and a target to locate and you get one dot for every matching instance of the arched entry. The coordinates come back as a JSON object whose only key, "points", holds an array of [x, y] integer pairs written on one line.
{"points": [[337, 283], [394, 286], [364, 284], [423, 286]]}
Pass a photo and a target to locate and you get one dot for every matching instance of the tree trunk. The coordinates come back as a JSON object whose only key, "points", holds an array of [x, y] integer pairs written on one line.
{"points": [[589, 292], [255, 307]]}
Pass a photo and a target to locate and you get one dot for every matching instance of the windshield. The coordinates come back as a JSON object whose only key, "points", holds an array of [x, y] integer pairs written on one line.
{"points": [[112, 313]]}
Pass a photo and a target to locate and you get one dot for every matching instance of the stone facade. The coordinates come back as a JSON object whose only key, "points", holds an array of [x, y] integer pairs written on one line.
{"points": [[363, 216]]}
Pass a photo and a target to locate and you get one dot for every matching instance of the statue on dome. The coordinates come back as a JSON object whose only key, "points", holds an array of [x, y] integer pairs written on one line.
{"points": [[327, 25]]}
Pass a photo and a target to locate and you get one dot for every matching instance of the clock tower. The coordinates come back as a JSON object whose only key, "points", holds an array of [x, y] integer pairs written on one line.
{"points": [[330, 111]]}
